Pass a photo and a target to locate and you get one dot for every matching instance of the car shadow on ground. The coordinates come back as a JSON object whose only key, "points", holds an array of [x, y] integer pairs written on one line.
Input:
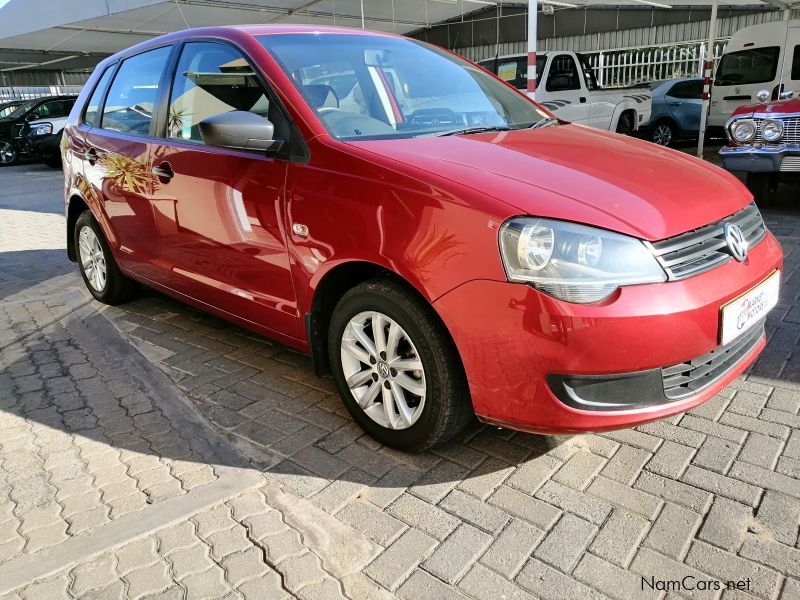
{"points": [[64, 366], [37, 272]]}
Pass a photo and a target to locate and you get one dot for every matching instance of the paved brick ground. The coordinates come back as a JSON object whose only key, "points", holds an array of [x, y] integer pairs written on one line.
{"points": [[714, 493]]}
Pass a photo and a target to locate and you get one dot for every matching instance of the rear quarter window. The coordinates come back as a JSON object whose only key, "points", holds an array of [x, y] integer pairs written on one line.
{"points": [[93, 106]]}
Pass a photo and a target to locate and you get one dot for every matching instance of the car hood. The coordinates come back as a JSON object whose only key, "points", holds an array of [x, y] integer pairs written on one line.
{"points": [[778, 107], [580, 174]]}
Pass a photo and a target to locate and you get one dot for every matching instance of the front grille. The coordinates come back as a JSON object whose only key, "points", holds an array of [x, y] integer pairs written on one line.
{"points": [[791, 132], [688, 378], [705, 248], [790, 164]]}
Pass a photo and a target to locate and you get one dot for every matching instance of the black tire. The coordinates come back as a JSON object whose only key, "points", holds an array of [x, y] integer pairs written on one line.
{"points": [[662, 132], [118, 288], [9, 155], [625, 124], [763, 186], [447, 407]]}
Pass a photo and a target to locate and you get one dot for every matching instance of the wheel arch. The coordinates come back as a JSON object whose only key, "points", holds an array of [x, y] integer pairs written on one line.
{"points": [[75, 207], [621, 109], [329, 289]]}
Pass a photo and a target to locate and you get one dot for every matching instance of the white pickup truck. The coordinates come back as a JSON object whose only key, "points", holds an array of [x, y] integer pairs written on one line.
{"points": [[566, 85]]}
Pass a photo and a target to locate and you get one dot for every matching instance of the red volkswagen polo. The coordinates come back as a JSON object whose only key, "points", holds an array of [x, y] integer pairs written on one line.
{"points": [[437, 242]]}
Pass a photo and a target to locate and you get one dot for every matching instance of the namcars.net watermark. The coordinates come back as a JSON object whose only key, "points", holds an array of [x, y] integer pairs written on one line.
{"points": [[691, 583]]}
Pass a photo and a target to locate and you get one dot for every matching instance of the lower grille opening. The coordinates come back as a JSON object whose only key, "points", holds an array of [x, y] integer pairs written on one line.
{"points": [[688, 378]]}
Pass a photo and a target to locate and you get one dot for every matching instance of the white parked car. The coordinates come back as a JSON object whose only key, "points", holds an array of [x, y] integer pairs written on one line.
{"points": [[567, 86], [757, 58]]}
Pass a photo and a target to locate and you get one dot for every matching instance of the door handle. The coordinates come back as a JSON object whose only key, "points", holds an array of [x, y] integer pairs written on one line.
{"points": [[163, 171], [675, 104], [90, 156]]}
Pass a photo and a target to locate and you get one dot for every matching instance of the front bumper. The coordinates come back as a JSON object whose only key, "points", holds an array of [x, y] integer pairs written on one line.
{"points": [[764, 159], [512, 338]]}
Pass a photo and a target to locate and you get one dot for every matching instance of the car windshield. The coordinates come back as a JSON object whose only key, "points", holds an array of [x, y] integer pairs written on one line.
{"points": [[400, 88], [757, 65], [22, 109]]}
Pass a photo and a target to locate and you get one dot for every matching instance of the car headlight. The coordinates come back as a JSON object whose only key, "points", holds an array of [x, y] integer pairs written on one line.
{"points": [[41, 129], [574, 262], [743, 130], [772, 130]]}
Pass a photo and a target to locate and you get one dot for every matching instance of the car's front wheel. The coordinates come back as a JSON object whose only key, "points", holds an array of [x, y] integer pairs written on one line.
{"points": [[8, 153], [97, 265], [396, 368]]}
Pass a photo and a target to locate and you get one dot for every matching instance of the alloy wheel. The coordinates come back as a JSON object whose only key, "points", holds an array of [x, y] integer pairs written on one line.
{"points": [[662, 134], [7, 153], [93, 261], [383, 370]]}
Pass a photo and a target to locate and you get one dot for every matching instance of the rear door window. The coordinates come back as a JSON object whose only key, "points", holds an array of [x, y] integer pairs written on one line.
{"points": [[131, 100], [687, 90], [756, 65]]}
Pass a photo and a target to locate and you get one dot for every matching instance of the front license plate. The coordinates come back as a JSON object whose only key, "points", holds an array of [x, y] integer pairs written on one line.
{"points": [[741, 314]]}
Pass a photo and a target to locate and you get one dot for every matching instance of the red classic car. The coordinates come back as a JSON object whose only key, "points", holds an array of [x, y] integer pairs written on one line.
{"points": [[764, 142]]}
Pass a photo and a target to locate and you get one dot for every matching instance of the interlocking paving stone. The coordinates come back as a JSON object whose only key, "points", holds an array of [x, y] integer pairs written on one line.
{"points": [[85, 443]]}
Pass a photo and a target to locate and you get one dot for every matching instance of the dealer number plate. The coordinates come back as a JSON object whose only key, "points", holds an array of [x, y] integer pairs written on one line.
{"points": [[741, 314]]}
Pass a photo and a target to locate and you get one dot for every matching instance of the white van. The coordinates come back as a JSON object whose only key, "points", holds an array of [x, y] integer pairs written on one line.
{"points": [[756, 58]]}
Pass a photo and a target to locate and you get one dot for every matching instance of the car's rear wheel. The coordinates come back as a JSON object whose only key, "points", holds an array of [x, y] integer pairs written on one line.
{"points": [[8, 153], [662, 133], [625, 124], [97, 265], [763, 186], [396, 368]]}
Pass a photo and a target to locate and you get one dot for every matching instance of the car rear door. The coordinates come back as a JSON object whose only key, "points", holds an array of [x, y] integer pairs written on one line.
{"points": [[117, 148], [685, 102], [220, 217]]}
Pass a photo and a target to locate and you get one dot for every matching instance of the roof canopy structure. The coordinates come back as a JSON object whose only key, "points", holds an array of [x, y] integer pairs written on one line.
{"points": [[42, 34]]}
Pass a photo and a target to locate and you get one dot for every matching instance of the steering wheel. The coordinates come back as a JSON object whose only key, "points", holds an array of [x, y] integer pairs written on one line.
{"points": [[328, 109]]}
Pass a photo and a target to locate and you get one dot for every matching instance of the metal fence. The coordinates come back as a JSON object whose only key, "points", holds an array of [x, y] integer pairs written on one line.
{"points": [[26, 93], [617, 68]]}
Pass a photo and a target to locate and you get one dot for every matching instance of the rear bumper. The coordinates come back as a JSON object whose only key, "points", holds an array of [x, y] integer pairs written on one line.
{"points": [[761, 160], [519, 345]]}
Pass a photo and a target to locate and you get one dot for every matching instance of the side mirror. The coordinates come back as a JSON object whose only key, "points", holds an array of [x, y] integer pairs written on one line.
{"points": [[786, 95], [762, 95], [239, 130]]}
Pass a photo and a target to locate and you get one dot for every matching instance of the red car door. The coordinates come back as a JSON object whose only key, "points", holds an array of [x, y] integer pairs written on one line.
{"points": [[116, 153], [220, 212]]}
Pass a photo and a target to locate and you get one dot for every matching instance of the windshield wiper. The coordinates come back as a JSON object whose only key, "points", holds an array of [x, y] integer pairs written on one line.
{"points": [[545, 122], [469, 130]]}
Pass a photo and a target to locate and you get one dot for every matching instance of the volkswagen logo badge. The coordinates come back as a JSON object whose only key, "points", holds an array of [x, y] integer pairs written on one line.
{"points": [[736, 241]]}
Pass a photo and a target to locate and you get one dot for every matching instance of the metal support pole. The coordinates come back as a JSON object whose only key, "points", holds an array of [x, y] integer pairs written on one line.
{"points": [[533, 7], [363, 23], [709, 67]]}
